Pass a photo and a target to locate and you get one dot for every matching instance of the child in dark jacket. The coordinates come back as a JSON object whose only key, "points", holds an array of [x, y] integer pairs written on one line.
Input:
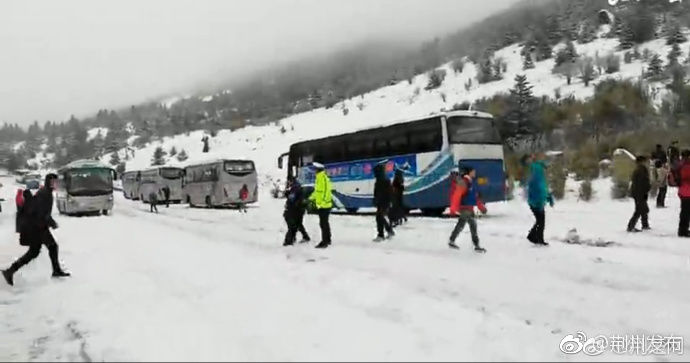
{"points": [[462, 203]]}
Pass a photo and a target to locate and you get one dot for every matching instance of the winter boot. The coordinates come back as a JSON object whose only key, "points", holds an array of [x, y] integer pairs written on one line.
{"points": [[391, 234], [9, 277], [288, 243], [305, 240], [379, 239], [322, 245], [61, 274], [479, 249], [647, 228], [634, 230], [452, 245]]}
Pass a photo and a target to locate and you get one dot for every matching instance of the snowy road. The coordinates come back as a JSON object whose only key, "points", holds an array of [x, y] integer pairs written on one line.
{"points": [[194, 284]]}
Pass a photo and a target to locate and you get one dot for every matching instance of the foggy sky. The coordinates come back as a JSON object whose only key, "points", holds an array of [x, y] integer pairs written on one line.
{"points": [[76, 56]]}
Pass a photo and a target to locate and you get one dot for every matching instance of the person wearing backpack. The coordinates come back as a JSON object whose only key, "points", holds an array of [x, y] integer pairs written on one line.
{"points": [[35, 231]]}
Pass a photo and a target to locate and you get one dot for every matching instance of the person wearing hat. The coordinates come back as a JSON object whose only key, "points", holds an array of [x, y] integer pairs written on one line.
{"points": [[639, 190], [465, 197], [37, 232], [321, 200], [382, 201]]}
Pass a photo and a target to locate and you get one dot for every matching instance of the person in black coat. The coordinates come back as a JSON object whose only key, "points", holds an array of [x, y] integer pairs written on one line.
{"points": [[382, 202], [639, 190], [166, 195], [397, 214], [295, 208], [36, 227]]}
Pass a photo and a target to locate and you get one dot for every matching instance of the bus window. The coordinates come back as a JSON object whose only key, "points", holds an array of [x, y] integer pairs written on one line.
{"points": [[241, 167], [399, 145], [360, 148], [171, 173], [426, 136], [381, 148], [472, 130]]}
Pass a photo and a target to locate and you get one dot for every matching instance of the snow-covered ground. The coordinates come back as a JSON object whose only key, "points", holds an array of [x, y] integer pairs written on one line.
{"points": [[196, 284]]}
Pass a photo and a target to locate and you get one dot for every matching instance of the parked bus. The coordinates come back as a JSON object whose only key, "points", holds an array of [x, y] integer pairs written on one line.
{"points": [[426, 149], [153, 180], [130, 184], [85, 186], [218, 183]]}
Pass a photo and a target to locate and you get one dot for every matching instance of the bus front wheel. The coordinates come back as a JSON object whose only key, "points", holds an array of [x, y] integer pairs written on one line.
{"points": [[105, 212]]}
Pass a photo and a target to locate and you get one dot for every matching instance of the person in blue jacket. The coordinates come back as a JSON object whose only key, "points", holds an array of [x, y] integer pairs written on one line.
{"points": [[538, 195]]}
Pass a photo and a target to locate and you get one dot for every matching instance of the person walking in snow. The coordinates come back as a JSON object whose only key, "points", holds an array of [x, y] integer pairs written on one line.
{"points": [[294, 213], [382, 201], [321, 200], [244, 198], [153, 202], [166, 195], [674, 163], [36, 231], [464, 199], [661, 174], [684, 195], [538, 195], [397, 215], [639, 190]]}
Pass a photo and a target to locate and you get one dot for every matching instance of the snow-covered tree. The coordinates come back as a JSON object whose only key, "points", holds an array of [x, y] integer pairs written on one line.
{"points": [[675, 35], [673, 55], [586, 68], [115, 159], [527, 62], [655, 67], [567, 70], [523, 105], [158, 157], [173, 151]]}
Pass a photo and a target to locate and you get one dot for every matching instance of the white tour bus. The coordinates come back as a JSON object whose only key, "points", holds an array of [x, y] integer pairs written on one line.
{"points": [[153, 180], [85, 186], [425, 149], [218, 183], [130, 184]]}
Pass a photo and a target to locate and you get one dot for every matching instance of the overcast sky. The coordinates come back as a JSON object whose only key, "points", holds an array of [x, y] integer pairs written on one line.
{"points": [[59, 57]]}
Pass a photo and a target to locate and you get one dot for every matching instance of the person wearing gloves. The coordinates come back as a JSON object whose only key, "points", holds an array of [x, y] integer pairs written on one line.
{"points": [[462, 203], [538, 195]]}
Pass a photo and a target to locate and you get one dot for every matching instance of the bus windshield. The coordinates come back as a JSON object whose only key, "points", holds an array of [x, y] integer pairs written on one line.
{"points": [[85, 182], [171, 173], [242, 167], [472, 130]]}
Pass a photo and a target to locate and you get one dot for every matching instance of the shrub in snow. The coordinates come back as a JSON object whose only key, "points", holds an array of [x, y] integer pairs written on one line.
{"points": [[655, 69], [585, 162], [468, 85], [360, 106], [628, 57], [436, 78], [586, 191], [443, 97], [346, 111], [458, 65], [613, 63], [182, 156], [416, 91], [173, 151], [283, 130], [557, 177]]}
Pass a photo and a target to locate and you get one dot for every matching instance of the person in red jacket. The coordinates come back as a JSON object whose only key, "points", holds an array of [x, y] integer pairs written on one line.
{"points": [[462, 203], [244, 197], [19, 201], [684, 194]]}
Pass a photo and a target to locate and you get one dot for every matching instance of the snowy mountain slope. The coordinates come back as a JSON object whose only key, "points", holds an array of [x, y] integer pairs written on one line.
{"points": [[393, 103]]}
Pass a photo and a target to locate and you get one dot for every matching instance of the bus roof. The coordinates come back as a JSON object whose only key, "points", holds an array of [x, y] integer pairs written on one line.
{"points": [[477, 114], [213, 161], [85, 164]]}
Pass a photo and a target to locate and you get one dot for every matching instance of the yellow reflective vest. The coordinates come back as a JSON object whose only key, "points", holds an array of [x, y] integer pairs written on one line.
{"points": [[322, 195]]}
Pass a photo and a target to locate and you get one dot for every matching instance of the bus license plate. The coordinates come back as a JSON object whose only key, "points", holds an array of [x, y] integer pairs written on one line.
{"points": [[483, 181]]}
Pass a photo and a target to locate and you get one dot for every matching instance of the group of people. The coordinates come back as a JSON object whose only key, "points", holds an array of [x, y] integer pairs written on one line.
{"points": [[388, 200], [671, 167], [34, 222], [153, 199]]}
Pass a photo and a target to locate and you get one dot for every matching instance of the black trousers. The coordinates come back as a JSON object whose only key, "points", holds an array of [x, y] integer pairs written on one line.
{"points": [[45, 239], [324, 214], [641, 211], [295, 223], [382, 221], [536, 234], [154, 207], [661, 197], [684, 224]]}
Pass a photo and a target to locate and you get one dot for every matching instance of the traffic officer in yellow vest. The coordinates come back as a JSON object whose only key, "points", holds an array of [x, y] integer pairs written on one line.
{"points": [[321, 200]]}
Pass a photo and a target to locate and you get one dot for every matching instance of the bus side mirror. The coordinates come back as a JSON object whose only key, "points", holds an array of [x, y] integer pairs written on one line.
{"points": [[280, 160]]}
